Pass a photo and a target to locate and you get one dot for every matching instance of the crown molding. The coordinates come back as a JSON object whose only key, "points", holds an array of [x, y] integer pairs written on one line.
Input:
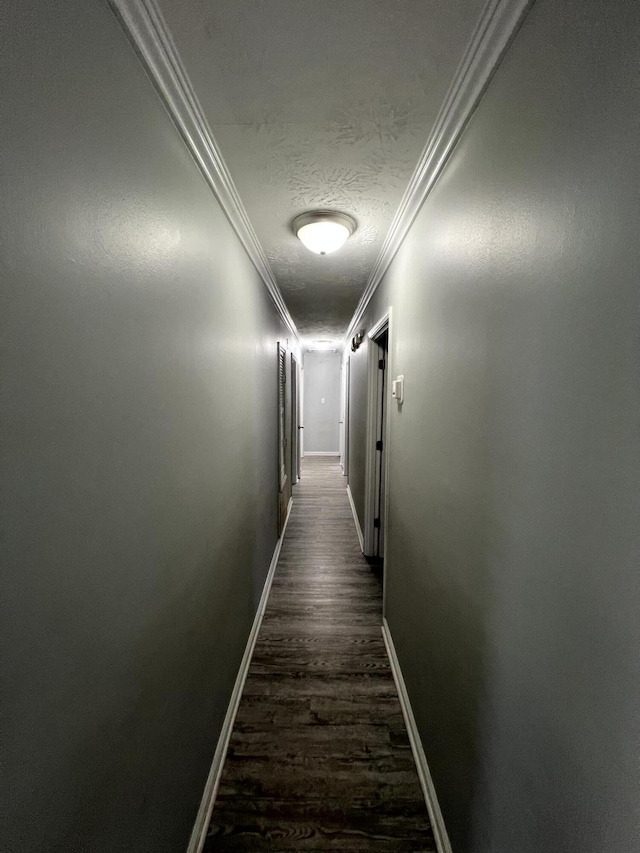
{"points": [[498, 24], [150, 37]]}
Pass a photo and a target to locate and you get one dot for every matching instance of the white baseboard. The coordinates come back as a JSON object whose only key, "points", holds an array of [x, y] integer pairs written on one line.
{"points": [[435, 815], [203, 817], [356, 519], [322, 453]]}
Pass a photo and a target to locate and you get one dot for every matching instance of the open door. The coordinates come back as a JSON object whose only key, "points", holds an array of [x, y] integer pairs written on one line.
{"points": [[295, 421], [347, 388], [376, 449], [283, 486], [381, 446]]}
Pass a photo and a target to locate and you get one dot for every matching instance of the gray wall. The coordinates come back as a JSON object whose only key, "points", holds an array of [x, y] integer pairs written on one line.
{"points": [[138, 484], [321, 419], [512, 572]]}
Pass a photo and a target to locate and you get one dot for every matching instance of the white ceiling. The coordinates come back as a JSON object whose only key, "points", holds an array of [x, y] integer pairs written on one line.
{"points": [[321, 104]]}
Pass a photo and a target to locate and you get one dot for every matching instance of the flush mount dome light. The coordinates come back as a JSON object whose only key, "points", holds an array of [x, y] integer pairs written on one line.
{"points": [[323, 231]]}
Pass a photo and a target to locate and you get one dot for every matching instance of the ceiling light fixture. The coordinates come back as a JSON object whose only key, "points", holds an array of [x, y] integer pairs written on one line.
{"points": [[323, 231], [324, 345]]}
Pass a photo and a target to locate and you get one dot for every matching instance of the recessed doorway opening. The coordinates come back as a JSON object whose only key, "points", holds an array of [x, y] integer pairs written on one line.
{"points": [[376, 460]]}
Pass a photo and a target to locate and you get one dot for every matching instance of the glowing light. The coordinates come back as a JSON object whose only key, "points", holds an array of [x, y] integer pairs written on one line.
{"points": [[324, 232]]}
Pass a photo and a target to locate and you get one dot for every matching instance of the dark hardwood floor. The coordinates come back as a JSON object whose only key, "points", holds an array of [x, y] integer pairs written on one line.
{"points": [[319, 757]]}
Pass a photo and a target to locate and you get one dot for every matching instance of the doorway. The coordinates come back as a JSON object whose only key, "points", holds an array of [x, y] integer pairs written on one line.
{"points": [[345, 415], [382, 344], [295, 421], [375, 482], [283, 487]]}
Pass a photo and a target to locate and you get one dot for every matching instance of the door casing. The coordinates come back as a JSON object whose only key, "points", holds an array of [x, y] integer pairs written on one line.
{"points": [[283, 482], [378, 408], [347, 387], [295, 421]]}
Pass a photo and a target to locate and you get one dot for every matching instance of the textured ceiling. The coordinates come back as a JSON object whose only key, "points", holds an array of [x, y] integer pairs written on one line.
{"points": [[321, 104]]}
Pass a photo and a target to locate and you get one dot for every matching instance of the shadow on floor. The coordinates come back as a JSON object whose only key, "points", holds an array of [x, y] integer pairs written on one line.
{"points": [[376, 565]]}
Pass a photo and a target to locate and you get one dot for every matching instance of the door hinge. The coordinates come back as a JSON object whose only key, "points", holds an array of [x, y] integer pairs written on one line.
{"points": [[376, 522], [378, 445], [381, 364]]}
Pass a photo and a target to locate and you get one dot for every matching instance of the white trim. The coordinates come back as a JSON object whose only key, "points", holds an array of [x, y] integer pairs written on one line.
{"points": [[378, 327], [498, 24], [387, 456], [372, 411], [356, 519], [370, 456], [341, 424], [295, 420], [149, 34], [322, 453], [435, 815], [346, 456], [203, 817]]}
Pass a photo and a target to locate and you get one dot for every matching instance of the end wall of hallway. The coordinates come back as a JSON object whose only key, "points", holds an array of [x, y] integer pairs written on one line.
{"points": [[321, 402]]}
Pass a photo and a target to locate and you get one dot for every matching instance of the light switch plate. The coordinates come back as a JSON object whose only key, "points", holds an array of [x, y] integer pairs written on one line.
{"points": [[397, 389]]}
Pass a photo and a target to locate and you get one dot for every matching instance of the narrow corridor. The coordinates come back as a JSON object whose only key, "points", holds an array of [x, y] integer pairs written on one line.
{"points": [[319, 757]]}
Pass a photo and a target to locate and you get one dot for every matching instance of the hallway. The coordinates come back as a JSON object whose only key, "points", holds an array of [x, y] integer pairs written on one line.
{"points": [[397, 231], [319, 757]]}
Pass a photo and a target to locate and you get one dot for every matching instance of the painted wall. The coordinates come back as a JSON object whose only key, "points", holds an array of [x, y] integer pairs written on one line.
{"points": [[513, 588], [321, 402], [138, 483]]}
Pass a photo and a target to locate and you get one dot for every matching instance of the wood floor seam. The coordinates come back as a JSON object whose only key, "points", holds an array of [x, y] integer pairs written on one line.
{"points": [[319, 758]]}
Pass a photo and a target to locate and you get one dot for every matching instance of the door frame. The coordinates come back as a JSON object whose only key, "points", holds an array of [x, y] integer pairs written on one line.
{"points": [[295, 421], [345, 416], [374, 404], [282, 436]]}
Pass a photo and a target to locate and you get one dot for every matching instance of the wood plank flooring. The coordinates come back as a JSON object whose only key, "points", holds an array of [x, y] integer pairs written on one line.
{"points": [[319, 757]]}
